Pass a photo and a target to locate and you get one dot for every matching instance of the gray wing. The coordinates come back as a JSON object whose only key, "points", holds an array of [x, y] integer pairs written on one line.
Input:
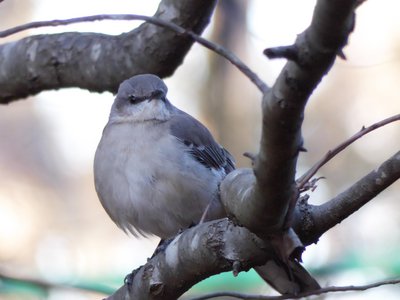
{"points": [[200, 143]]}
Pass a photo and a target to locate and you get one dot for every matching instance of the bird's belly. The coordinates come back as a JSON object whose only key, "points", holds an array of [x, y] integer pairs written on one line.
{"points": [[149, 190]]}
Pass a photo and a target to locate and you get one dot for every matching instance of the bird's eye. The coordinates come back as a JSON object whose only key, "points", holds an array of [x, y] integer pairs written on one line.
{"points": [[133, 99]]}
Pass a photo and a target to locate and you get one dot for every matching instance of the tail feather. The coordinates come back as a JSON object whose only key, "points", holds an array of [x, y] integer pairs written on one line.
{"points": [[292, 279]]}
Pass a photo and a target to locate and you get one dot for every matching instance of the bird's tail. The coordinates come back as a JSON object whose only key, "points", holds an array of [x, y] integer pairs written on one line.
{"points": [[287, 279]]}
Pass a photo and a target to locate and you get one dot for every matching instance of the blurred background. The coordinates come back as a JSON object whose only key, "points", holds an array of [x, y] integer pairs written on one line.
{"points": [[53, 230]]}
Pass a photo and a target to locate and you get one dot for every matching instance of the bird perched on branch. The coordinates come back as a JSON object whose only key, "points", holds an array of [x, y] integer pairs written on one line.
{"points": [[157, 169]]}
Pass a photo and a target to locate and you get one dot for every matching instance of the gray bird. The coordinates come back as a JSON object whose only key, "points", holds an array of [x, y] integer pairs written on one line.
{"points": [[157, 170]]}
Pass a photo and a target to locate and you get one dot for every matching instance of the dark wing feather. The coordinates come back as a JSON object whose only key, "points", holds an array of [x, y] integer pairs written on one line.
{"points": [[230, 161], [200, 142]]}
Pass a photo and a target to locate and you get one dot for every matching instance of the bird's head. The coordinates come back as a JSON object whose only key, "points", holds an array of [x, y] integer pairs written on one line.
{"points": [[141, 98]]}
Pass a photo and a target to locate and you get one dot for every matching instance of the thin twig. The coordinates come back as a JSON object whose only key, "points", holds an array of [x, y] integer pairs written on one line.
{"points": [[331, 153], [46, 285], [289, 52], [349, 288], [262, 86]]}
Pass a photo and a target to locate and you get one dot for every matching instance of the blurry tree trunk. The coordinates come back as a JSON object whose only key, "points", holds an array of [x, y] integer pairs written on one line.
{"points": [[225, 104], [24, 126]]}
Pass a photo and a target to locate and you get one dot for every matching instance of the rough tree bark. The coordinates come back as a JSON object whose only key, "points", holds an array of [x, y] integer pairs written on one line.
{"points": [[99, 62], [219, 246], [268, 198], [312, 221]]}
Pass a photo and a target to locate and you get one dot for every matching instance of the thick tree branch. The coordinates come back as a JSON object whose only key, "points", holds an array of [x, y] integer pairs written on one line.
{"points": [[219, 246], [199, 252], [283, 107], [99, 62], [231, 57], [268, 198], [312, 221]]}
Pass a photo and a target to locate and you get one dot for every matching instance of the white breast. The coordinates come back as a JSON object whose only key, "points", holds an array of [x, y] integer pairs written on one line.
{"points": [[148, 183]]}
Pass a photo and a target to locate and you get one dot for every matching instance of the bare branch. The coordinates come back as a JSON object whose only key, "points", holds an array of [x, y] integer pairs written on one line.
{"points": [[228, 55], [46, 285], [332, 153], [54, 23], [219, 242], [313, 221], [197, 253], [283, 107], [99, 62], [268, 197], [331, 289], [156, 21]]}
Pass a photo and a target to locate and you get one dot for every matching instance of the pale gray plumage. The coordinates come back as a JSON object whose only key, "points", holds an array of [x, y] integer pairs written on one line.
{"points": [[157, 168]]}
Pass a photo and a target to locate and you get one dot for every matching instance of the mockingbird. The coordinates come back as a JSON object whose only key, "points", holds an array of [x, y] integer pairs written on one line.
{"points": [[157, 170]]}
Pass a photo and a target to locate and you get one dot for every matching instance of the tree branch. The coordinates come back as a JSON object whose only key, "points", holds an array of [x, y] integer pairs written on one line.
{"points": [[228, 55], [199, 252], [99, 62], [312, 221], [332, 153], [47, 285], [321, 291], [268, 197], [170, 273]]}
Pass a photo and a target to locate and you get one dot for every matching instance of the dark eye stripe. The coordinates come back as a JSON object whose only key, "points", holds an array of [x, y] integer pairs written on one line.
{"points": [[157, 94], [135, 99]]}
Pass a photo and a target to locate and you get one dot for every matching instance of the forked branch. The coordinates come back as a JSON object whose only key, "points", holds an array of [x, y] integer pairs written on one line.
{"points": [[185, 33], [332, 153]]}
